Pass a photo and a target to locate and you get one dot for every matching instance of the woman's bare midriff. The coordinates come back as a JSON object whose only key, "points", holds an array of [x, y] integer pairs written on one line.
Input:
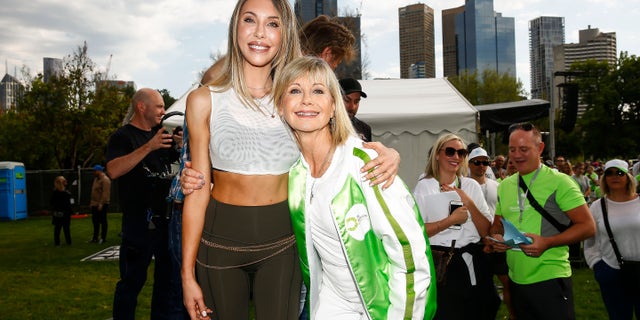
{"points": [[249, 190]]}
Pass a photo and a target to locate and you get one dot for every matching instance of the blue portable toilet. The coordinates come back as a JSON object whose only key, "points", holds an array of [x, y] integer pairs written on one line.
{"points": [[13, 191]]}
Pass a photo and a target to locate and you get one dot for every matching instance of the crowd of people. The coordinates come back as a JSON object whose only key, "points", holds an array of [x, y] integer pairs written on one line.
{"points": [[280, 201]]}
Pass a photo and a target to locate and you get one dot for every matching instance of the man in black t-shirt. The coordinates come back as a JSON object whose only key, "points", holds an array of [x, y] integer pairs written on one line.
{"points": [[139, 155], [352, 93]]}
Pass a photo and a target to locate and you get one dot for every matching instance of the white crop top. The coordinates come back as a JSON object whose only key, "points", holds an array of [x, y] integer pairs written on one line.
{"points": [[248, 141]]}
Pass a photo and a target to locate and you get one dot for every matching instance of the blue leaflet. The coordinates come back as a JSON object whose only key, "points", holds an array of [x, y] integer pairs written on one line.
{"points": [[512, 236]]}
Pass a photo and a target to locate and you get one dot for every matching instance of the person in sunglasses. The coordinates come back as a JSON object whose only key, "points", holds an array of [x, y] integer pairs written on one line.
{"points": [[467, 292], [548, 207], [623, 214]]}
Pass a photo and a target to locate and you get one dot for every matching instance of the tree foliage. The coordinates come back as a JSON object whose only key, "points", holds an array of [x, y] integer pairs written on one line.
{"points": [[491, 87], [64, 122], [610, 124]]}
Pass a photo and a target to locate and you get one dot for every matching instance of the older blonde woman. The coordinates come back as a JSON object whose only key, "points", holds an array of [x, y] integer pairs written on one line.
{"points": [[363, 250]]}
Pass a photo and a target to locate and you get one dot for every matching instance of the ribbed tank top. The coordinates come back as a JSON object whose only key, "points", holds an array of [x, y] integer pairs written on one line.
{"points": [[247, 141]]}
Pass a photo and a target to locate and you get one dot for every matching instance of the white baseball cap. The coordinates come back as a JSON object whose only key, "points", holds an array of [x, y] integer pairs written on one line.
{"points": [[618, 164], [478, 152]]}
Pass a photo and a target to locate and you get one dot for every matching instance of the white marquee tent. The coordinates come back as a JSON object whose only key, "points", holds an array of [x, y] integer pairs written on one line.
{"points": [[410, 114], [407, 115]]}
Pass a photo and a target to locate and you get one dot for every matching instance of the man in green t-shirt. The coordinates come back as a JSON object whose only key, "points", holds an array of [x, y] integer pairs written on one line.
{"points": [[540, 272]]}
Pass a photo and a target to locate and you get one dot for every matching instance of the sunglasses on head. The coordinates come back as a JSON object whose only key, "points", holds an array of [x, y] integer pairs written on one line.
{"points": [[478, 163], [609, 173], [449, 152], [526, 126]]}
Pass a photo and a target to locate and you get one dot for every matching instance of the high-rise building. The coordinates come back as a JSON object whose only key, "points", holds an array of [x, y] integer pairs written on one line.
{"points": [[52, 67], [544, 34], [485, 40], [449, 45], [593, 45], [11, 90], [417, 43], [306, 10]]}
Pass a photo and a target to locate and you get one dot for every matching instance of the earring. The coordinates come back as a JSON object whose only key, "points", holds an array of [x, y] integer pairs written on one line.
{"points": [[332, 124]]}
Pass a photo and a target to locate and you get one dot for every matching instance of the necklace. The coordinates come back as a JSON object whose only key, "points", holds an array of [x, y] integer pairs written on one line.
{"points": [[264, 109], [320, 172]]}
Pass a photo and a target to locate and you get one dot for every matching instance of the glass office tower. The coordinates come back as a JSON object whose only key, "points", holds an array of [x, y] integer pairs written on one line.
{"points": [[544, 34], [485, 39]]}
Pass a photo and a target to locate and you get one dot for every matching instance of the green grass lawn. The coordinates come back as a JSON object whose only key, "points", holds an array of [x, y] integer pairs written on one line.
{"points": [[41, 281]]}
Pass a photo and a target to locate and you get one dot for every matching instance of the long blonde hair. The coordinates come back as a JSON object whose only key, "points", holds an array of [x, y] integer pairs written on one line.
{"points": [[433, 167], [232, 75], [318, 70]]}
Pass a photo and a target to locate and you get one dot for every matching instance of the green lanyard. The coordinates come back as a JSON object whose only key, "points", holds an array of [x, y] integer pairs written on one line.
{"points": [[521, 196]]}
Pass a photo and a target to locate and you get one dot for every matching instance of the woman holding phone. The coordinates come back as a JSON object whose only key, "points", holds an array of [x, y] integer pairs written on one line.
{"points": [[456, 218]]}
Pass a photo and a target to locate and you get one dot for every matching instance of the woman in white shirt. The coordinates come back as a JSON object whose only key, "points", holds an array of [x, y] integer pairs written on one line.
{"points": [[467, 292], [623, 213]]}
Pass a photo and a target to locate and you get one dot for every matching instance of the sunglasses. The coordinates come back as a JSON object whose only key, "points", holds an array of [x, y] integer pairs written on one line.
{"points": [[449, 152], [478, 163], [619, 173], [526, 126]]}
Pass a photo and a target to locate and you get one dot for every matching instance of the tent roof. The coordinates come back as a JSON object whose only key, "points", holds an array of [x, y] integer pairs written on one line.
{"points": [[499, 116], [400, 105], [414, 106]]}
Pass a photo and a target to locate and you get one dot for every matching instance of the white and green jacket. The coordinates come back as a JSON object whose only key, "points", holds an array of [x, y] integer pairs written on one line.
{"points": [[382, 235]]}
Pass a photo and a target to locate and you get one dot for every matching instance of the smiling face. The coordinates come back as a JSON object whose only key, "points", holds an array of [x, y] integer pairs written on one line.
{"points": [[259, 32], [525, 149], [307, 105], [450, 164]]}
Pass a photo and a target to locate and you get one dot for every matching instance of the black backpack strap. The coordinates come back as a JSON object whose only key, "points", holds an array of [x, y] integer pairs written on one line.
{"points": [[532, 201], [605, 215]]}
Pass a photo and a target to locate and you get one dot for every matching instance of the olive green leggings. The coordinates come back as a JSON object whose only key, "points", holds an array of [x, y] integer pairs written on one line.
{"points": [[249, 253]]}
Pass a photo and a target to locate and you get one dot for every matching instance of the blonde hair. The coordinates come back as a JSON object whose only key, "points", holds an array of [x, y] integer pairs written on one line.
{"points": [[433, 167], [630, 187], [318, 70], [232, 76], [58, 183]]}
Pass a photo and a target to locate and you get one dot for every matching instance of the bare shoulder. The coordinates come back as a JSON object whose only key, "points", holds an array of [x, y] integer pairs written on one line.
{"points": [[199, 100]]}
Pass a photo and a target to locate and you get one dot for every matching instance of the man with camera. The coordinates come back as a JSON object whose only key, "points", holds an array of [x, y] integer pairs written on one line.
{"points": [[139, 155]]}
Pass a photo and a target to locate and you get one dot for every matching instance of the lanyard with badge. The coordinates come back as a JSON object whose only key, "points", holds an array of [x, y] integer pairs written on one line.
{"points": [[521, 196]]}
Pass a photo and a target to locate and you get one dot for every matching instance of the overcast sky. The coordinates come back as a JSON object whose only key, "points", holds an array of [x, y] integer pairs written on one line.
{"points": [[164, 44]]}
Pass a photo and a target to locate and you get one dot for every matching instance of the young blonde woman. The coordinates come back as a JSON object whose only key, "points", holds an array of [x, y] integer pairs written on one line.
{"points": [[237, 237]]}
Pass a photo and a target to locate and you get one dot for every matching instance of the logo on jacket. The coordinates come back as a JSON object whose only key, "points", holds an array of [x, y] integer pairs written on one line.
{"points": [[357, 222]]}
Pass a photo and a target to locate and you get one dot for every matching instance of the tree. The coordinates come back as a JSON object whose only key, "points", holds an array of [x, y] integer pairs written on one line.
{"points": [[611, 99], [167, 98], [66, 121], [492, 87]]}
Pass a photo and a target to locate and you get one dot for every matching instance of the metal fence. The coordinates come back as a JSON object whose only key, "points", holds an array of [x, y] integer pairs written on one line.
{"points": [[40, 188]]}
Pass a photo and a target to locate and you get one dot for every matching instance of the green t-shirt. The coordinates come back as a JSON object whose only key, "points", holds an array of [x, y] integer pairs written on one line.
{"points": [[557, 193]]}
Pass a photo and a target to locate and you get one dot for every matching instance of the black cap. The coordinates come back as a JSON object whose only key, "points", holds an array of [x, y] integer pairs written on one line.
{"points": [[350, 85]]}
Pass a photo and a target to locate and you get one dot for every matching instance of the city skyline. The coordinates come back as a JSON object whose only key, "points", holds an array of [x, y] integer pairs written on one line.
{"points": [[167, 45]]}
